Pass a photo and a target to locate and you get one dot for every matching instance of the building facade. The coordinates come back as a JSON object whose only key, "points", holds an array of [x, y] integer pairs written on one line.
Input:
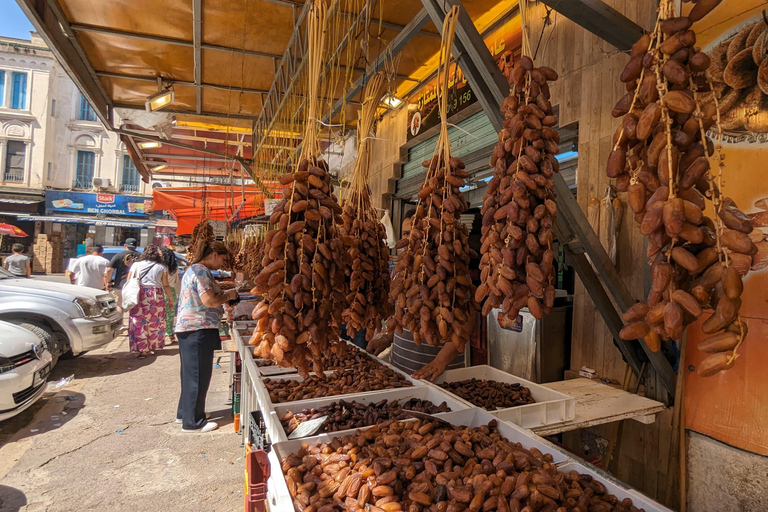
{"points": [[52, 141]]}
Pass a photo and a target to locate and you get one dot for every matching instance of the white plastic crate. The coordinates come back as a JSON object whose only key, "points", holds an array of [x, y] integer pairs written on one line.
{"points": [[278, 495], [551, 407], [430, 393]]}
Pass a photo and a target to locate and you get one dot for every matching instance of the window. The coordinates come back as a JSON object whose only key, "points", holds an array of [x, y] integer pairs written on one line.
{"points": [[19, 91], [2, 87], [84, 176], [16, 152], [130, 181], [86, 112]]}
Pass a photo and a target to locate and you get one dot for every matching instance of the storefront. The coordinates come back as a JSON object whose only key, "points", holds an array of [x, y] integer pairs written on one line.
{"points": [[14, 202]]}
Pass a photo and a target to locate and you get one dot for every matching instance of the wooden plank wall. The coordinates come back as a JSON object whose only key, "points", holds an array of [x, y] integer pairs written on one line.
{"points": [[586, 92], [385, 155]]}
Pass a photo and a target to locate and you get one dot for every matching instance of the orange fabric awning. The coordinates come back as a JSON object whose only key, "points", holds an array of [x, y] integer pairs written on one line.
{"points": [[187, 204]]}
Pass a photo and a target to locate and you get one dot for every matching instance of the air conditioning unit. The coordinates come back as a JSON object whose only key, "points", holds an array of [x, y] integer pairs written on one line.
{"points": [[101, 183], [159, 184]]}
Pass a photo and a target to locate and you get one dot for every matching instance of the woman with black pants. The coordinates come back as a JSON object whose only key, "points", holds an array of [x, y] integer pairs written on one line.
{"points": [[197, 330]]}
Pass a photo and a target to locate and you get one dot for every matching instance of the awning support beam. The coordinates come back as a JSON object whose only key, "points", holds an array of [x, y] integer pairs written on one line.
{"points": [[601, 19], [166, 80], [82, 27], [197, 38], [603, 283]]}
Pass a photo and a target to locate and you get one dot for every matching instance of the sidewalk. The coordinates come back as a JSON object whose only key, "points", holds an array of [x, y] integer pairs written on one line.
{"points": [[108, 441]]}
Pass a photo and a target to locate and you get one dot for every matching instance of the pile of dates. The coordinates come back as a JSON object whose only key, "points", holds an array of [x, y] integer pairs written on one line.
{"points": [[490, 394], [339, 382], [344, 415], [423, 466]]}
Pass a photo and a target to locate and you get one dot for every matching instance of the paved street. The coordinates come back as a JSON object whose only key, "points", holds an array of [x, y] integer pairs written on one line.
{"points": [[109, 441]]}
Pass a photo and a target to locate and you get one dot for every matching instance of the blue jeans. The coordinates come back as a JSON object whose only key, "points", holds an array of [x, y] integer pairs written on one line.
{"points": [[359, 339]]}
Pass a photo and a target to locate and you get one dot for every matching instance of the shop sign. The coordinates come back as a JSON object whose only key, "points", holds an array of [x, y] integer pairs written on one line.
{"points": [[423, 112], [100, 204]]}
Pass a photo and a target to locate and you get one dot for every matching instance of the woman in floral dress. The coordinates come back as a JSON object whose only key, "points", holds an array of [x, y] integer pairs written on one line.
{"points": [[146, 324]]}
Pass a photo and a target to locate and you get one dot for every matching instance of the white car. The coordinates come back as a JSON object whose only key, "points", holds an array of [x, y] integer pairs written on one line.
{"points": [[25, 363]]}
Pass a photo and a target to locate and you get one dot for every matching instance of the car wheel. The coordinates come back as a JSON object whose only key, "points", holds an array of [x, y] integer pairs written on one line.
{"points": [[44, 333]]}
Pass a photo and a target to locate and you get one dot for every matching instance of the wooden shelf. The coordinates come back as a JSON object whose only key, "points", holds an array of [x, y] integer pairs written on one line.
{"points": [[598, 403]]}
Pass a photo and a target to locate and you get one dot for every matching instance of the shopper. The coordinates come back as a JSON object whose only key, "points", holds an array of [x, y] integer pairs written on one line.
{"points": [[146, 322], [17, 263], [421, 361], [171, 302], [197, 329], [89, 270], [119, 265]]}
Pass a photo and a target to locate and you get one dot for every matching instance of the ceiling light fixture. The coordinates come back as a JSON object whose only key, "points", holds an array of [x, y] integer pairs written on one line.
{"points": [[164, 97], [159, 167], [149, 145], [391, 101]]}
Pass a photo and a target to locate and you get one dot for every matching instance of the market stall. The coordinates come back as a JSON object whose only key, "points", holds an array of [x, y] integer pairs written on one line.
{"points": [[563, 176]]}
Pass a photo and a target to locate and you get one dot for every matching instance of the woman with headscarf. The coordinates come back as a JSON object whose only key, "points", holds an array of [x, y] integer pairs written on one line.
{"points": [[171, 301], [197, 329], [146, 322]]}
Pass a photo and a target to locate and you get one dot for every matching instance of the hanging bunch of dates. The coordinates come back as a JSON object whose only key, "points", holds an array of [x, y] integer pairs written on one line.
{"points": [[517, 265], [369, 279], [302, 281], [432, 291], [433, 294], [671, 171], [201, 235]]}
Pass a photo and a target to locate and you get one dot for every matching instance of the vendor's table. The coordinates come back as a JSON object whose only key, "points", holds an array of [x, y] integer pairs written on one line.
{"points": [[597, 403]]}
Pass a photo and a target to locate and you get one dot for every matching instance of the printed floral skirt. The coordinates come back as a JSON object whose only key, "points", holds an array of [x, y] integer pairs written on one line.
{"points": [[170, 313], [146, 325]]}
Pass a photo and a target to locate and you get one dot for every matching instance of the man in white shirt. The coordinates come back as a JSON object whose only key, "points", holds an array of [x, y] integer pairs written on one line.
{"points": [[89, 270]]}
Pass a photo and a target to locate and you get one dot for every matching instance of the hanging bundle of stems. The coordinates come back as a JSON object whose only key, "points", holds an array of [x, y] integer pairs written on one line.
{"points": [[368, 274], [433, 293], [303, 277]]}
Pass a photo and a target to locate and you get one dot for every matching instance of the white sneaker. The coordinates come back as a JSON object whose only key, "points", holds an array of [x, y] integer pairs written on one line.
{"points": [[211, 425], [179, 420]]}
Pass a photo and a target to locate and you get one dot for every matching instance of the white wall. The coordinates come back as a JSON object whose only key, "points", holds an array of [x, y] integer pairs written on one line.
{"points": [[54, 136]]}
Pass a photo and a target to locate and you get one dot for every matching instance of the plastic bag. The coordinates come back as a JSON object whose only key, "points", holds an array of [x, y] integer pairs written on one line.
{"points": [[391, 241]]}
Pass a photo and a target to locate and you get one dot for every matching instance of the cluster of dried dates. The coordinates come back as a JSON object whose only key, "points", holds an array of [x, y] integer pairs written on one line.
{"points": [[340, 382], [248, 257], [343, 415], [302, 281], [422, 466], [432, 290], [490, 394], [201, 235], [369, 279], [519, 206], [661, 158]]}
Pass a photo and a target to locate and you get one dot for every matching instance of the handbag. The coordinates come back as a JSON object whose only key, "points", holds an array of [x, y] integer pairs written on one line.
{"points": [[131, 289]]}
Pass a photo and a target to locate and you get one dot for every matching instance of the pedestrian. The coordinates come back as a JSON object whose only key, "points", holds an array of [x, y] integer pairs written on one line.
{"points": [[146, 320], [119, 266], [197, 329], [89, 270], [171, 302], [17, 263]]}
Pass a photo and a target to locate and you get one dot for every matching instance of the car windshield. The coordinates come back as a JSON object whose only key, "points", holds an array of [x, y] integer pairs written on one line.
{"points": [[4, 274]]}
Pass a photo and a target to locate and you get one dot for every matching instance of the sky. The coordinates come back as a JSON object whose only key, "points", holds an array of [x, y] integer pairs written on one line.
{"points": [[13, 22]]}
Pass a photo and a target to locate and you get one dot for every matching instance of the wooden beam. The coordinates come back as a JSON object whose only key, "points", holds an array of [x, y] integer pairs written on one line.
{"points": [[83, 27], [197, 39], [601, 19], [204, 113], [167, 80], [135, 153], [54, 28]]}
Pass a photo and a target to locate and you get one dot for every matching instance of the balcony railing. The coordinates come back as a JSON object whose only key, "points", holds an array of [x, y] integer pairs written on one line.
{"points": [[129, 188], [14, 177], [82, 182]]}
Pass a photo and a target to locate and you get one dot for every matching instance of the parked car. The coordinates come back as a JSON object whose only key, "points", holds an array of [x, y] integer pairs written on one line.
{"points": [[25, 363], [67, 318]]}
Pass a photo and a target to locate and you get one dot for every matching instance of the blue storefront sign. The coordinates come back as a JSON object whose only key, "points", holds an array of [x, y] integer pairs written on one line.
{"points": [[100, 204]]}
